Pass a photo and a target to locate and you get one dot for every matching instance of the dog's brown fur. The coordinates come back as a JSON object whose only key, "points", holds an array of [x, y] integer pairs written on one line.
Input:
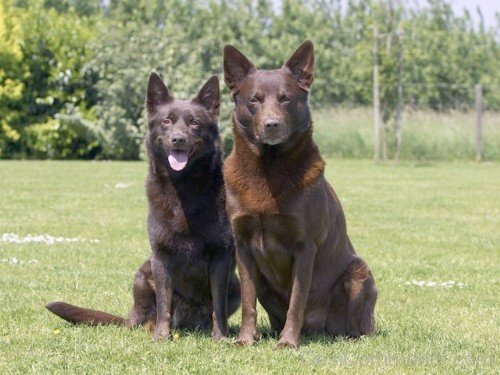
{"points": [[292, 248]]}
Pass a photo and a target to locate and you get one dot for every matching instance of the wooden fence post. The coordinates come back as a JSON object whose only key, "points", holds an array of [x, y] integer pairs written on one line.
{"points": [[376, 94], [479, 124], [399, 103]]}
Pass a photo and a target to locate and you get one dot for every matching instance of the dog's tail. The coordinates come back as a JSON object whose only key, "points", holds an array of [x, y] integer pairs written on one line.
{"points": [[80, 315]]}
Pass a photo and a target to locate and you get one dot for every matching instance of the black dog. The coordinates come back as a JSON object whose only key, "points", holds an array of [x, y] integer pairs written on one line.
{"points": [[190, 280]]}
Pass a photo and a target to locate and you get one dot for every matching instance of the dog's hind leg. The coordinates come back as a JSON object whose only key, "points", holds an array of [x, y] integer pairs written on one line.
{"points": [[361, 292], [144, 309]]}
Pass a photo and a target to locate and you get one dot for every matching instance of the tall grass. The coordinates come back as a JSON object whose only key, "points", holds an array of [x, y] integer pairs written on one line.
{"points": [[427, 135]]}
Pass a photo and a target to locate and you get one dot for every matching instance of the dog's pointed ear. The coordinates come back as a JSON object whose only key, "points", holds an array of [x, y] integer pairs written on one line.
{"points": [[209, 96], [157, 93], [301, 65], [236, 68]]}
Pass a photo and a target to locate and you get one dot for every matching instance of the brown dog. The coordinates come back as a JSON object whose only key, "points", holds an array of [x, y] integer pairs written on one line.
{"points": [[292, 248], [190, 279]]}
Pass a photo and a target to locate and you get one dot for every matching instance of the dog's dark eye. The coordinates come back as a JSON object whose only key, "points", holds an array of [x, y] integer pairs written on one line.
{"points": [[166, 122], [194, 122], [284, 99], [254, 100]]}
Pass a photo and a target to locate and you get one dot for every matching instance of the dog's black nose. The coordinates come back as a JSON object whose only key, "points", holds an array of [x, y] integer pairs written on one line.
{"points": [[178, 139], [271, 123]]}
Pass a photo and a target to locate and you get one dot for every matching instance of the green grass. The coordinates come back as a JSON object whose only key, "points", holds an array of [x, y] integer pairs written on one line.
{"points": [[421, 221], [426, 135]]}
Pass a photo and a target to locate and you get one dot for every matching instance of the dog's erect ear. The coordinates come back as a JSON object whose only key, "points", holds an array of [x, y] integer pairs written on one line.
{"points": [[209, 96], [236, 68], [157, 93], [301, 64]]}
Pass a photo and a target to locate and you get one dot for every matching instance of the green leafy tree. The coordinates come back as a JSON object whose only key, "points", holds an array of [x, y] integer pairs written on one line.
{"points": [[11, 74], [49, 69], [73, 72], [123, 74]]}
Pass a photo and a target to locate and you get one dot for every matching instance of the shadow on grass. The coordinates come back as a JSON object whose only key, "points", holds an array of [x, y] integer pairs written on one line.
{"points": [[265, 333], [319, 338]]}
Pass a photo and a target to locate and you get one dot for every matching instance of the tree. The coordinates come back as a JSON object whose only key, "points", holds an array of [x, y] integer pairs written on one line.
{"points": [[11, 73], [48, 69], [80, 68]]}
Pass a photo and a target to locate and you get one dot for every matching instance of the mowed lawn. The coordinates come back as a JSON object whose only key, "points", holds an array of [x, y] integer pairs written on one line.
{"points": [[430, 232]]}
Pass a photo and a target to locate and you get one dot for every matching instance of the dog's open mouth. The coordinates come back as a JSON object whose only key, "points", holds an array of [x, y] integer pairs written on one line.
{"points": [[178, 159]]}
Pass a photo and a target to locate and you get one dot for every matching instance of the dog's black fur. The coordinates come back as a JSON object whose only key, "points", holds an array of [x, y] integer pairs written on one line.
{"points": [[189, 281]]}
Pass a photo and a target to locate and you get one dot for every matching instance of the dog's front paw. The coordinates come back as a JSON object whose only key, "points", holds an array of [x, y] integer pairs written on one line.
{"points": [[161, 335], [287, 341], [286, 344], [245, 340], [218, 335]]}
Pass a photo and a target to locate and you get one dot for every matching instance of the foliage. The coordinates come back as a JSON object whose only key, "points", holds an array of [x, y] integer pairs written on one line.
{"points": [[65, 136], [96, 57], [50, 51], [122, 78], [11, 85]]}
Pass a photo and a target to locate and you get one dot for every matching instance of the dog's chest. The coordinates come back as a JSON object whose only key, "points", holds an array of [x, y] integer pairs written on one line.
{"points": [[272, 240]]}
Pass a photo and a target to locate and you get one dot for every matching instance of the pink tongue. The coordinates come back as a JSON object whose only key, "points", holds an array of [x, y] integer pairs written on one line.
{"points": [[178, 159]]}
